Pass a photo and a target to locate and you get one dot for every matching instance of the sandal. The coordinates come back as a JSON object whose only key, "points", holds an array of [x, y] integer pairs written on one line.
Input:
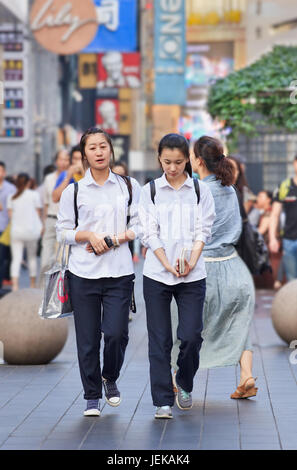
{"points": [[245, 391]]}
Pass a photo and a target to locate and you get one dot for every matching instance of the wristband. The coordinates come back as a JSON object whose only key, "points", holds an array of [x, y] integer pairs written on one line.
{"points": [[117, 243]]}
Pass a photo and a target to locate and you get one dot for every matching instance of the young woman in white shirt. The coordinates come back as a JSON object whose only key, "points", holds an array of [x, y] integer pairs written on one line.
{"points": [[24, 210], [99, 274], [171, 221]]}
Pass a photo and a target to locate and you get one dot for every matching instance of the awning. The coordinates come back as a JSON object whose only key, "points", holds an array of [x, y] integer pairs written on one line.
{"points": [[18, 8]]}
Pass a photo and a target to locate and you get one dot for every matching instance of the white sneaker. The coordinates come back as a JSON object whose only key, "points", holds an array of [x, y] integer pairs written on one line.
{"points": [[163, 412], [93, 408]]}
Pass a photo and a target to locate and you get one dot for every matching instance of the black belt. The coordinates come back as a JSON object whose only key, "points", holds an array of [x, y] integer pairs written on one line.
{"points": [[52, 217]]}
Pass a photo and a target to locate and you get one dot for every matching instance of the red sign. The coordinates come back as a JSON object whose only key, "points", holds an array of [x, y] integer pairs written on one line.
{"points": [[107, 115], [118, 70]]}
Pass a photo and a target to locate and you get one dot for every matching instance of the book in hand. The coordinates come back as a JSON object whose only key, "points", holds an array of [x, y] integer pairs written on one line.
{"points": [[181, 261]]}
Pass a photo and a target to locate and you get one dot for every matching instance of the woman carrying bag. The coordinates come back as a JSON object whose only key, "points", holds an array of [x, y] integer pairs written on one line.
{"points": [[176, 216], [100, 265]]}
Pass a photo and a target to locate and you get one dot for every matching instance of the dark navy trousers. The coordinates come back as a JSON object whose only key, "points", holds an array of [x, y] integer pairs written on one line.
{"points": [[100, 306], [189, 297]]}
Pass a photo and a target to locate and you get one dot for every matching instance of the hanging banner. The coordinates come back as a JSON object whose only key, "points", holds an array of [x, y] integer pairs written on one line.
{"points": [[117, 26], [87, 71], [170, 52]]}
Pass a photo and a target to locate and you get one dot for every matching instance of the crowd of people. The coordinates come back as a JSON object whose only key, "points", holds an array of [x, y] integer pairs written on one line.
{"points": [[199, 294]]}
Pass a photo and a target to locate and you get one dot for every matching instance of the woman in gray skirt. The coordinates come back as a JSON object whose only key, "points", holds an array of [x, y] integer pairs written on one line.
{"points": [[230, 294]]}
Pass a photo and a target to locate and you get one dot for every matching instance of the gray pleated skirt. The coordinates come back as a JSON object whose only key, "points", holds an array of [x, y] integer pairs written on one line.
{"points": [[227, 314]]}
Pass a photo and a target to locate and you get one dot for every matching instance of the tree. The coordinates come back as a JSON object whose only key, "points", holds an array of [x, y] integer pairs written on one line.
{"points": [[265, 89]]}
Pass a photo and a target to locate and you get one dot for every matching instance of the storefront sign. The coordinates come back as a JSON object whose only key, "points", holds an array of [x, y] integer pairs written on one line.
{"points": [[118, 70], [117, 26], [64, 26], [87, 71], [107, 115], [14, 79], [170, 54]]}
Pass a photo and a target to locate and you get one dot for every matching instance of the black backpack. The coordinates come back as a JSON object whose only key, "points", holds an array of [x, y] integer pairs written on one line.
{"points": [[153, 190], [129, 186]]}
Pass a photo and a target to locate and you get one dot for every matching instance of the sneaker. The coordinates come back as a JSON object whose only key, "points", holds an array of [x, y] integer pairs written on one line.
{"points": [[183, 399], [92, 408], [112, 394], [163, 412]]}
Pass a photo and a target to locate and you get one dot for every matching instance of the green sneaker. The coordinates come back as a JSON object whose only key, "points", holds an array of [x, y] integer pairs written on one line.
{"points": [[183, 399]]}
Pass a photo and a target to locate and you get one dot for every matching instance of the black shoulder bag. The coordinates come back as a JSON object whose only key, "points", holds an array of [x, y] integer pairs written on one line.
{"points": [[251, 246]]}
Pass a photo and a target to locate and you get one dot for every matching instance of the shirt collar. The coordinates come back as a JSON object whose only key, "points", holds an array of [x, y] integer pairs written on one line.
{"points": [[90, 180], [163, 182]]}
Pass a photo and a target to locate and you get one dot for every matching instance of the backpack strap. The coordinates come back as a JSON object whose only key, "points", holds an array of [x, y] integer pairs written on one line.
{"points": [[153, 190], [75, 204], [197, 189]]}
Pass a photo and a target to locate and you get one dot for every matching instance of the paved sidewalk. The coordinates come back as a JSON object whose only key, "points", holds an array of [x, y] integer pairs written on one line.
{"points": [[41, 407]]}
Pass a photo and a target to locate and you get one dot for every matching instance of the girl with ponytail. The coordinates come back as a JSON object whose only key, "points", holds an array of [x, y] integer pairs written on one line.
{"points": [[230, 295]]}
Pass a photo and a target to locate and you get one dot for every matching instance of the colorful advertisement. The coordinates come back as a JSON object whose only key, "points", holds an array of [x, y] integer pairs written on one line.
{"points": [[117, 26], [205, 64], [118, 70], [170, 52], [107, 115]]}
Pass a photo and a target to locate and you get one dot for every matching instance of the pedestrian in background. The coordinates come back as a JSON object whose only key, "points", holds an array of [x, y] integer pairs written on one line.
{"points": [[74, 174], [24, 209], [100, 266], [285, 198], [230, 294], [50, 211], [171, 222], [241, 183], [6, 189]]}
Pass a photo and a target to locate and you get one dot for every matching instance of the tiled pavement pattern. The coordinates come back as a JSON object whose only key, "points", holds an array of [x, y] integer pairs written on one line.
{"points": [[41, 407]]}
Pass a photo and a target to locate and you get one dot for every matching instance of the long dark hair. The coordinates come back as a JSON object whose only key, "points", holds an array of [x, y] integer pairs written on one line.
{"points": [[176, 141], [241, 181], [212, 153], [82, 145], [21, 184]]}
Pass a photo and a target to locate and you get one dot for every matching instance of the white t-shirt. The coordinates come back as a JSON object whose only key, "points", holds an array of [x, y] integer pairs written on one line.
{"points": [[25, 221], [48, 188]]}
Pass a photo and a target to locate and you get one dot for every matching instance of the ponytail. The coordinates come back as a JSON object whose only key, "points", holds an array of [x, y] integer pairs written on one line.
{"points": [[211, 152]]}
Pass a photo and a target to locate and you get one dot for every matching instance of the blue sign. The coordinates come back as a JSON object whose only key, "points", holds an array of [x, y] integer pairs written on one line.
{"points": [[117, 26], [170, 52]]}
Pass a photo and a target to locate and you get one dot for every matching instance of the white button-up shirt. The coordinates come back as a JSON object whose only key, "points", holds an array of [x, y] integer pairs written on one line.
{"points": [[103, 210], [175, 222]]}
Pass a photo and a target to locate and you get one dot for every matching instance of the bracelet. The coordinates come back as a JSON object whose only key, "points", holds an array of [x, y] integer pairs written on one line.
{"points": [[117, 243]]}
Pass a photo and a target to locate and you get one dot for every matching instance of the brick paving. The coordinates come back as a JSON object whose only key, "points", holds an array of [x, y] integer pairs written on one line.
{"points": [[41, 406]]}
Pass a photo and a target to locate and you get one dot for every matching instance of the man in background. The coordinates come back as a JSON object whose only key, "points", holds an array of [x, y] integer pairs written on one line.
{"points": [[285, 198], [6, 189]]}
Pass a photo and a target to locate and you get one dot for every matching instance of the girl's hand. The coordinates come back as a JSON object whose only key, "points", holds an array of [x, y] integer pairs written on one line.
{"points": [[186, 271], [97, 244], [173, 271]]}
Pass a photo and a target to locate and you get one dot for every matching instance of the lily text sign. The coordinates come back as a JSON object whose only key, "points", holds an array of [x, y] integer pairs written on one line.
{"points": [[64, 26]]}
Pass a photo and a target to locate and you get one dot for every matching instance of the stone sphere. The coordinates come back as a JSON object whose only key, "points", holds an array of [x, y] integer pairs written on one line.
{"points": [[27, 338], [284, 312]]}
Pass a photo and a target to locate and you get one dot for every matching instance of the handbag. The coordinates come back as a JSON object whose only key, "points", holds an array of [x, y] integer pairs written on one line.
{"points": [[251, 246], [56, 301]]}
